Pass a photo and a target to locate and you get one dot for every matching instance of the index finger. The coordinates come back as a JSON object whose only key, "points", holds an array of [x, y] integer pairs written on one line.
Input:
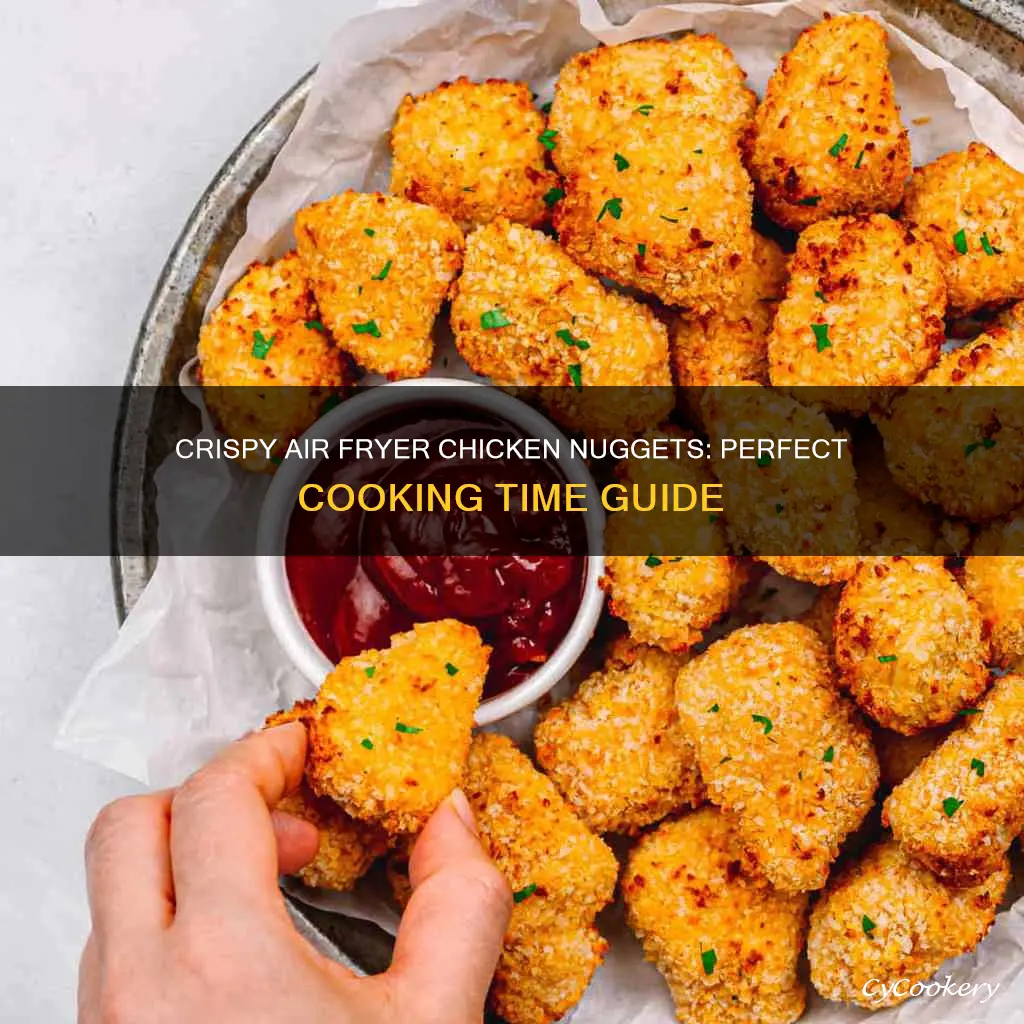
{"points": [[222, 836]]}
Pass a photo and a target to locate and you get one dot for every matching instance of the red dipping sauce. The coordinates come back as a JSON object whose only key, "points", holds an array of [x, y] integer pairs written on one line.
{"points": [[359, 577]]}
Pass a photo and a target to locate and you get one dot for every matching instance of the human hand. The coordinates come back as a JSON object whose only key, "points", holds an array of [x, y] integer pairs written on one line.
{"points": [[189, 924]]}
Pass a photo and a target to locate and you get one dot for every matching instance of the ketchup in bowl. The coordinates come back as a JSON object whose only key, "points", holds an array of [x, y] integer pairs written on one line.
{"points": [[359, 577]]}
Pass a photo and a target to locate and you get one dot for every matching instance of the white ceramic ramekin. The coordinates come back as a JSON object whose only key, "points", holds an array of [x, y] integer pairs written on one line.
{"points": [[346, 420]]}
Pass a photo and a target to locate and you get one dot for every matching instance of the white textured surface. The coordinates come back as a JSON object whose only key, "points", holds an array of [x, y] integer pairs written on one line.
{"points": [[115, 116]]}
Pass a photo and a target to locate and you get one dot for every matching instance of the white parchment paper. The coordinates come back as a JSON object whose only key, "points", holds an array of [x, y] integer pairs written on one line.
{"points": [[195, 664]]}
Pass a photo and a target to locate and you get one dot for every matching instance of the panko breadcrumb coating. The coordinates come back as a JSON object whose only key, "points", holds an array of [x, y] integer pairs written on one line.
{"points": [[821, 570], [779, 747], [727, 943], [380, 267], [347, 849], [524, 314], [615, 749], [662, 203], [473, 151], [265, 335], [827, 138], [883, 919], [389, 730], [970, 207], [961, 808], [899, 755], [959, 446], [863, 310], [994, 578], [909, 644], [693, 76]]}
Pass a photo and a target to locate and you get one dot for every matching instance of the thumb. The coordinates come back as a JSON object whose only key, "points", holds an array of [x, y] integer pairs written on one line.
{"points": [[451, 932]]}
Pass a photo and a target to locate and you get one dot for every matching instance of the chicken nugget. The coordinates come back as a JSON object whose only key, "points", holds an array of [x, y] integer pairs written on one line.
{"points": [[615, 748], [863, 310], [995, 582], [883, 919], [692, 76], [970, 207], [380, 267], [266, 335], [909, 671], [663, 204], [727, 943], [475, 151], [389, 730], [827, 138], [778, 746], [962, 807]]}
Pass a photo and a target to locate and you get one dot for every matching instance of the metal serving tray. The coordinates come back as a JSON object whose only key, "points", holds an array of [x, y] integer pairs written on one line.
{"points": [[983, 37]]}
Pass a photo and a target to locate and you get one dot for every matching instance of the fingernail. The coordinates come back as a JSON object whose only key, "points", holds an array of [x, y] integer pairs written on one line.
{"points": [[460, 805]]}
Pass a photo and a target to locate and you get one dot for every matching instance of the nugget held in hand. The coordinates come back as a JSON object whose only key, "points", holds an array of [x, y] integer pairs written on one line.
{"points": [[827, 138], [475, 151], [964, 804], [779, 747], [727, 943], [884, 919], [380, 267]]}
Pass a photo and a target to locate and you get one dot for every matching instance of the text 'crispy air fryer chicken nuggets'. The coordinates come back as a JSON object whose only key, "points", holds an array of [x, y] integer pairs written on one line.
{"points": [[778, 746], [389, 730], [994, 578], [693, 76], [963, 805], [727, 943], [827, 138], [380, 267], [884, 919], [663, 204], [267, 333], [970, 207], [863, 310], [475, 151]]}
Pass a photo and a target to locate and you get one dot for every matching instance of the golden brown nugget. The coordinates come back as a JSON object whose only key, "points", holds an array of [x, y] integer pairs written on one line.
{"points": [[693, 76], [727, 943], [267, 334], [380, 267], [662, 203], [970, 207], [885, 920], [389, 730], [475, 151], [348, 847], [779, 747], [995, 582], [963, 806], [910, 645], [827, 138], [616, 750], [899, 755], [863, 310]]}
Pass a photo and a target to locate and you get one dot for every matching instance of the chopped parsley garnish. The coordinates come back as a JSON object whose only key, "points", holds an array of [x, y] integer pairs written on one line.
{"points": [[644, 109], [613, 207], [960, 242], [525, 893], [986, 442], [261, 344], [547, 138], [990, 249], [411, 730], [809, 201], [951, 805], [829, 756], [452, 670], [369, 671], [369, 232], [651, 561], [978, 767], [860, 160], [367, 744], [315, 325], [571, 340], [820, 295], [621, 163], [714, 709], [553, 195], [383, 272], [765, 721], [764, 460], [276, 460], [671, 220], [886, 658], [493, 319], [369, 327], [821, 338], [708, 960], [329, 403], [867, 924], [712, 518], [546, 107], [699, 152], [641, 249], [576, 375], [778, 507], [839, 145], [725, 760], [964, 712]]}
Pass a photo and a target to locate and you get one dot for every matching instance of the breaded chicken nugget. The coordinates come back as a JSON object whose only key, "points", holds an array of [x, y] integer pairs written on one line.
{"points": [[692, 76], [615, 748], [389, 730], [474, 151], [348, 847], [1012, 317], [380, 267], [266, 333], [963, 806], [727, 943], [662, 203], [995, 582], [827, 138], [962, 447], [909, 671], [883, 919], [524, 314], [899, 755], [970, 207], [779, 747], [863, 310]]}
